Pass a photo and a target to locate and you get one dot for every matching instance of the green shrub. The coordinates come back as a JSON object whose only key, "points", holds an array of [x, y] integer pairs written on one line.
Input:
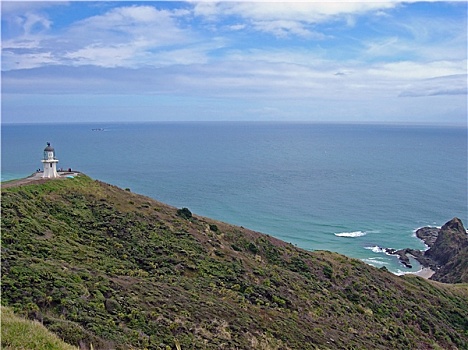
{"points": [[253, 248], [184, 213], [236, 248], [328, 271]]}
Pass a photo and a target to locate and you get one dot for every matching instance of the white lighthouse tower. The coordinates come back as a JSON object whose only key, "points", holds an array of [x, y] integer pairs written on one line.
{"points": [[49, 162]]}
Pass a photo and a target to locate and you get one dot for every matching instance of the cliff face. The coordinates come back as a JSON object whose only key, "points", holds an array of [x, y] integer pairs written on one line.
{"points": [[447, 254], [450, 252], [99, 265]]}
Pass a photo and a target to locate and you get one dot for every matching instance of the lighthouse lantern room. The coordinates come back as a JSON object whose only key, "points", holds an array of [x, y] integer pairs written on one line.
{"points": [[50, 162]]}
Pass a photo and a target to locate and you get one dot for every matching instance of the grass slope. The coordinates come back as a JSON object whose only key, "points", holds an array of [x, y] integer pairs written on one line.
{"points": [[21, 334], [99, 265]]}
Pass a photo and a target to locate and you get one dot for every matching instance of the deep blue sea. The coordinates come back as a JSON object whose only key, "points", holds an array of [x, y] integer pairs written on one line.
{"points": [[346, 188]]}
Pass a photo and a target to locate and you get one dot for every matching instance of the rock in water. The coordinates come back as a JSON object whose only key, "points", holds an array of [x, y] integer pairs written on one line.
{"points": [[428, 235]]}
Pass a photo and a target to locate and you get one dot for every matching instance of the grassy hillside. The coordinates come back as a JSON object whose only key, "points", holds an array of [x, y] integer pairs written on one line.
{"points": [[100, 265], [21, 334]]}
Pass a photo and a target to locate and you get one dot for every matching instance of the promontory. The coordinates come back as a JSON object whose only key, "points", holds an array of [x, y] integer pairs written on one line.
{"points": [[104, 268]]}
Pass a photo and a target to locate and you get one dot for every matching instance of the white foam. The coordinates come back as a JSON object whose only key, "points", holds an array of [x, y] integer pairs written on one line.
{"points": [[376, 249], [351, 234], [401, 273], [374, 261], [414, 231]]}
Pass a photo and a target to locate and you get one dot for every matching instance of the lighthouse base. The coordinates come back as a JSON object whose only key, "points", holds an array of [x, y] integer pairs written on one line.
{"points": [[50, 169]]}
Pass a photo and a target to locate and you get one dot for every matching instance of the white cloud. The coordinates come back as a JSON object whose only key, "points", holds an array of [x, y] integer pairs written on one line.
{"points": [[236, 27], [34, 22], [24, 30], [128, 36], [127, 24], [408, 70], [285, 28], [422, 37], [289, 18], [309, 12], [383, 47], [363, 92], [446, 85], [128, 19], [143, 50], [257, 74], [29, 42], [105, 56], [29, 60]]}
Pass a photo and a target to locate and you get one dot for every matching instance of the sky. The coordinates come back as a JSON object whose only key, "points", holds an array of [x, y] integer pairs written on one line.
{"points": [[309, 61]]}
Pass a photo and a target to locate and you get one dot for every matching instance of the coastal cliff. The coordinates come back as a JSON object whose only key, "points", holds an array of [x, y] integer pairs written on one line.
{"points": [[447, 255], [448, 251], [105, 268]]}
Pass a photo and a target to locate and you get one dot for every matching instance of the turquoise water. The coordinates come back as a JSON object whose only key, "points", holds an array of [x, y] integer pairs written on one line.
{"points": [[344, 188]]}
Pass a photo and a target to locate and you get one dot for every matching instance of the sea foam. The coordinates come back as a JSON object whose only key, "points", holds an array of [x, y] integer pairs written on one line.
{"points": [[375, 262], [351, 234], [377, 249]]}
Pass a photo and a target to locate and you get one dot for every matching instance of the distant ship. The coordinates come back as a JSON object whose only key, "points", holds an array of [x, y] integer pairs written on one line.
{"points": [[97, 129]]}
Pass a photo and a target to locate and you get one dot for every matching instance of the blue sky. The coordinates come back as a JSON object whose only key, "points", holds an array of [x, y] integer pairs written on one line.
{"points": [[263, 61]]}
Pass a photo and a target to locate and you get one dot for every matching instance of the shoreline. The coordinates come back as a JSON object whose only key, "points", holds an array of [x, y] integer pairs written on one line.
{"points": [[425, 273]]}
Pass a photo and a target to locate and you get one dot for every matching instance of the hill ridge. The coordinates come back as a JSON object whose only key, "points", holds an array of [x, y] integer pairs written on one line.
{"points": [[101, 265]]}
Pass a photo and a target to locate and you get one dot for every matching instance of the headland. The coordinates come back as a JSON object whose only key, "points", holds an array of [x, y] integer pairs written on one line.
{"points": [[106, 268]]}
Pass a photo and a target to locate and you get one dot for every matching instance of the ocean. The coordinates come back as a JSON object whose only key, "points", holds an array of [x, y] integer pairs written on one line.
{"points": [[349, 188]]}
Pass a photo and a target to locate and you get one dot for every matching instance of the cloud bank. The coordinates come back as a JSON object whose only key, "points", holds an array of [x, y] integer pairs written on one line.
{"points": [[277, 58]]}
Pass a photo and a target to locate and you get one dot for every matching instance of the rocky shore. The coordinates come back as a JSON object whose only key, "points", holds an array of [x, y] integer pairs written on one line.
{"points": [[447, 254]]}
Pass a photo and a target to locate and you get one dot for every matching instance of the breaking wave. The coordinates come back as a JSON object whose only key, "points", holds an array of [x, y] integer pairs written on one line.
{"points": [[351, 234], [375, 262], [377, 249]]}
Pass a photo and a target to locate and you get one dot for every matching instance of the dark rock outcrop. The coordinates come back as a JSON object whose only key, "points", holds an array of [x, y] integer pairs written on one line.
{"points": [[450, 251], [402, 256], [428, 235], [447, 254], [450, 241]]}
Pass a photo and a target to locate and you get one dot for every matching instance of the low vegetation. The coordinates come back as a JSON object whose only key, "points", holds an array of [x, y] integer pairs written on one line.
{"points": [[106, 268]]}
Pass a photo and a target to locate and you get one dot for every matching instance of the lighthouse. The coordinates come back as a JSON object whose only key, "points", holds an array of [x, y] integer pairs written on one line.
{"points": [[49, 162]]}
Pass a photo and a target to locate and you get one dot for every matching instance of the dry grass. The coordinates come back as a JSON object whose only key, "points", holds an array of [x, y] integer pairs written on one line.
{"points": [[22, 334]]}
